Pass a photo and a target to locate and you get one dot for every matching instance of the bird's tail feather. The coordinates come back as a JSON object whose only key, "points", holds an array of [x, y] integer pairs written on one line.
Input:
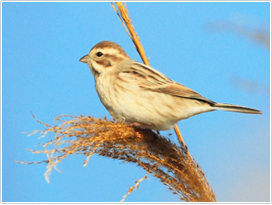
{"points": [[236, 108]]}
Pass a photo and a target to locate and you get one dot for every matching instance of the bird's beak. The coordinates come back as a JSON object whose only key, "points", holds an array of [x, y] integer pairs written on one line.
{"points": [[84, 59]]}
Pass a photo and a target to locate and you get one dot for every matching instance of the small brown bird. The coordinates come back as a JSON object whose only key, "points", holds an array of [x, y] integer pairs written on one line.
{"points": [[142, 96]]}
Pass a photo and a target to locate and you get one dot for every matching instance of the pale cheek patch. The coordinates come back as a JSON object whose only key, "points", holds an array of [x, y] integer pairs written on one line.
{"points": [[98, 67]]}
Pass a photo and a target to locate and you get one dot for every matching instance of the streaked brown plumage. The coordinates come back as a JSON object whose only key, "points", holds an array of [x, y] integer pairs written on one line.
{"points": [[140, 95]]}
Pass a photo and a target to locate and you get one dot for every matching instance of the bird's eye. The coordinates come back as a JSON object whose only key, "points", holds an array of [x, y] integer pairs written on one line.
{"points": [[99, 54]]}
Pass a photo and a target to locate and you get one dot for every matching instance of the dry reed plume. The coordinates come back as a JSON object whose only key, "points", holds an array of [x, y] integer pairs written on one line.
{"points": [[172, 164]]}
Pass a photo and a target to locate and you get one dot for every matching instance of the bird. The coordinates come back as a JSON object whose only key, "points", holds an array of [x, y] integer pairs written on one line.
{"points": [[142, 96]]}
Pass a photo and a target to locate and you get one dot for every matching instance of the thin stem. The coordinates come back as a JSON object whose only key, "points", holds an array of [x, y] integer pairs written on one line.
{"points": [[180, 138]]}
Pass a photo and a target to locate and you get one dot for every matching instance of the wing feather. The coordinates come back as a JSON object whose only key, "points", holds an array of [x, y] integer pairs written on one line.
{"points": [[150, 79]]}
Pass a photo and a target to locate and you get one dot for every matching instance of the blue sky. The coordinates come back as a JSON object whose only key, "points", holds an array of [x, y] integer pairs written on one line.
{"points": [[41, 46]]}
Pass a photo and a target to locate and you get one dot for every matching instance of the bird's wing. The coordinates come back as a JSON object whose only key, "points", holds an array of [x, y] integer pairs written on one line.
{"points": [[150, 79]]}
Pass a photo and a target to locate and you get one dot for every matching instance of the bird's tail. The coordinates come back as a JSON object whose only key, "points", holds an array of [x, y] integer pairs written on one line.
{"points": [[235, 108]]}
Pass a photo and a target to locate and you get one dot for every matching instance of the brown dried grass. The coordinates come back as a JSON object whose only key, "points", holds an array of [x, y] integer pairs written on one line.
{"points": [[171, 164]]}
